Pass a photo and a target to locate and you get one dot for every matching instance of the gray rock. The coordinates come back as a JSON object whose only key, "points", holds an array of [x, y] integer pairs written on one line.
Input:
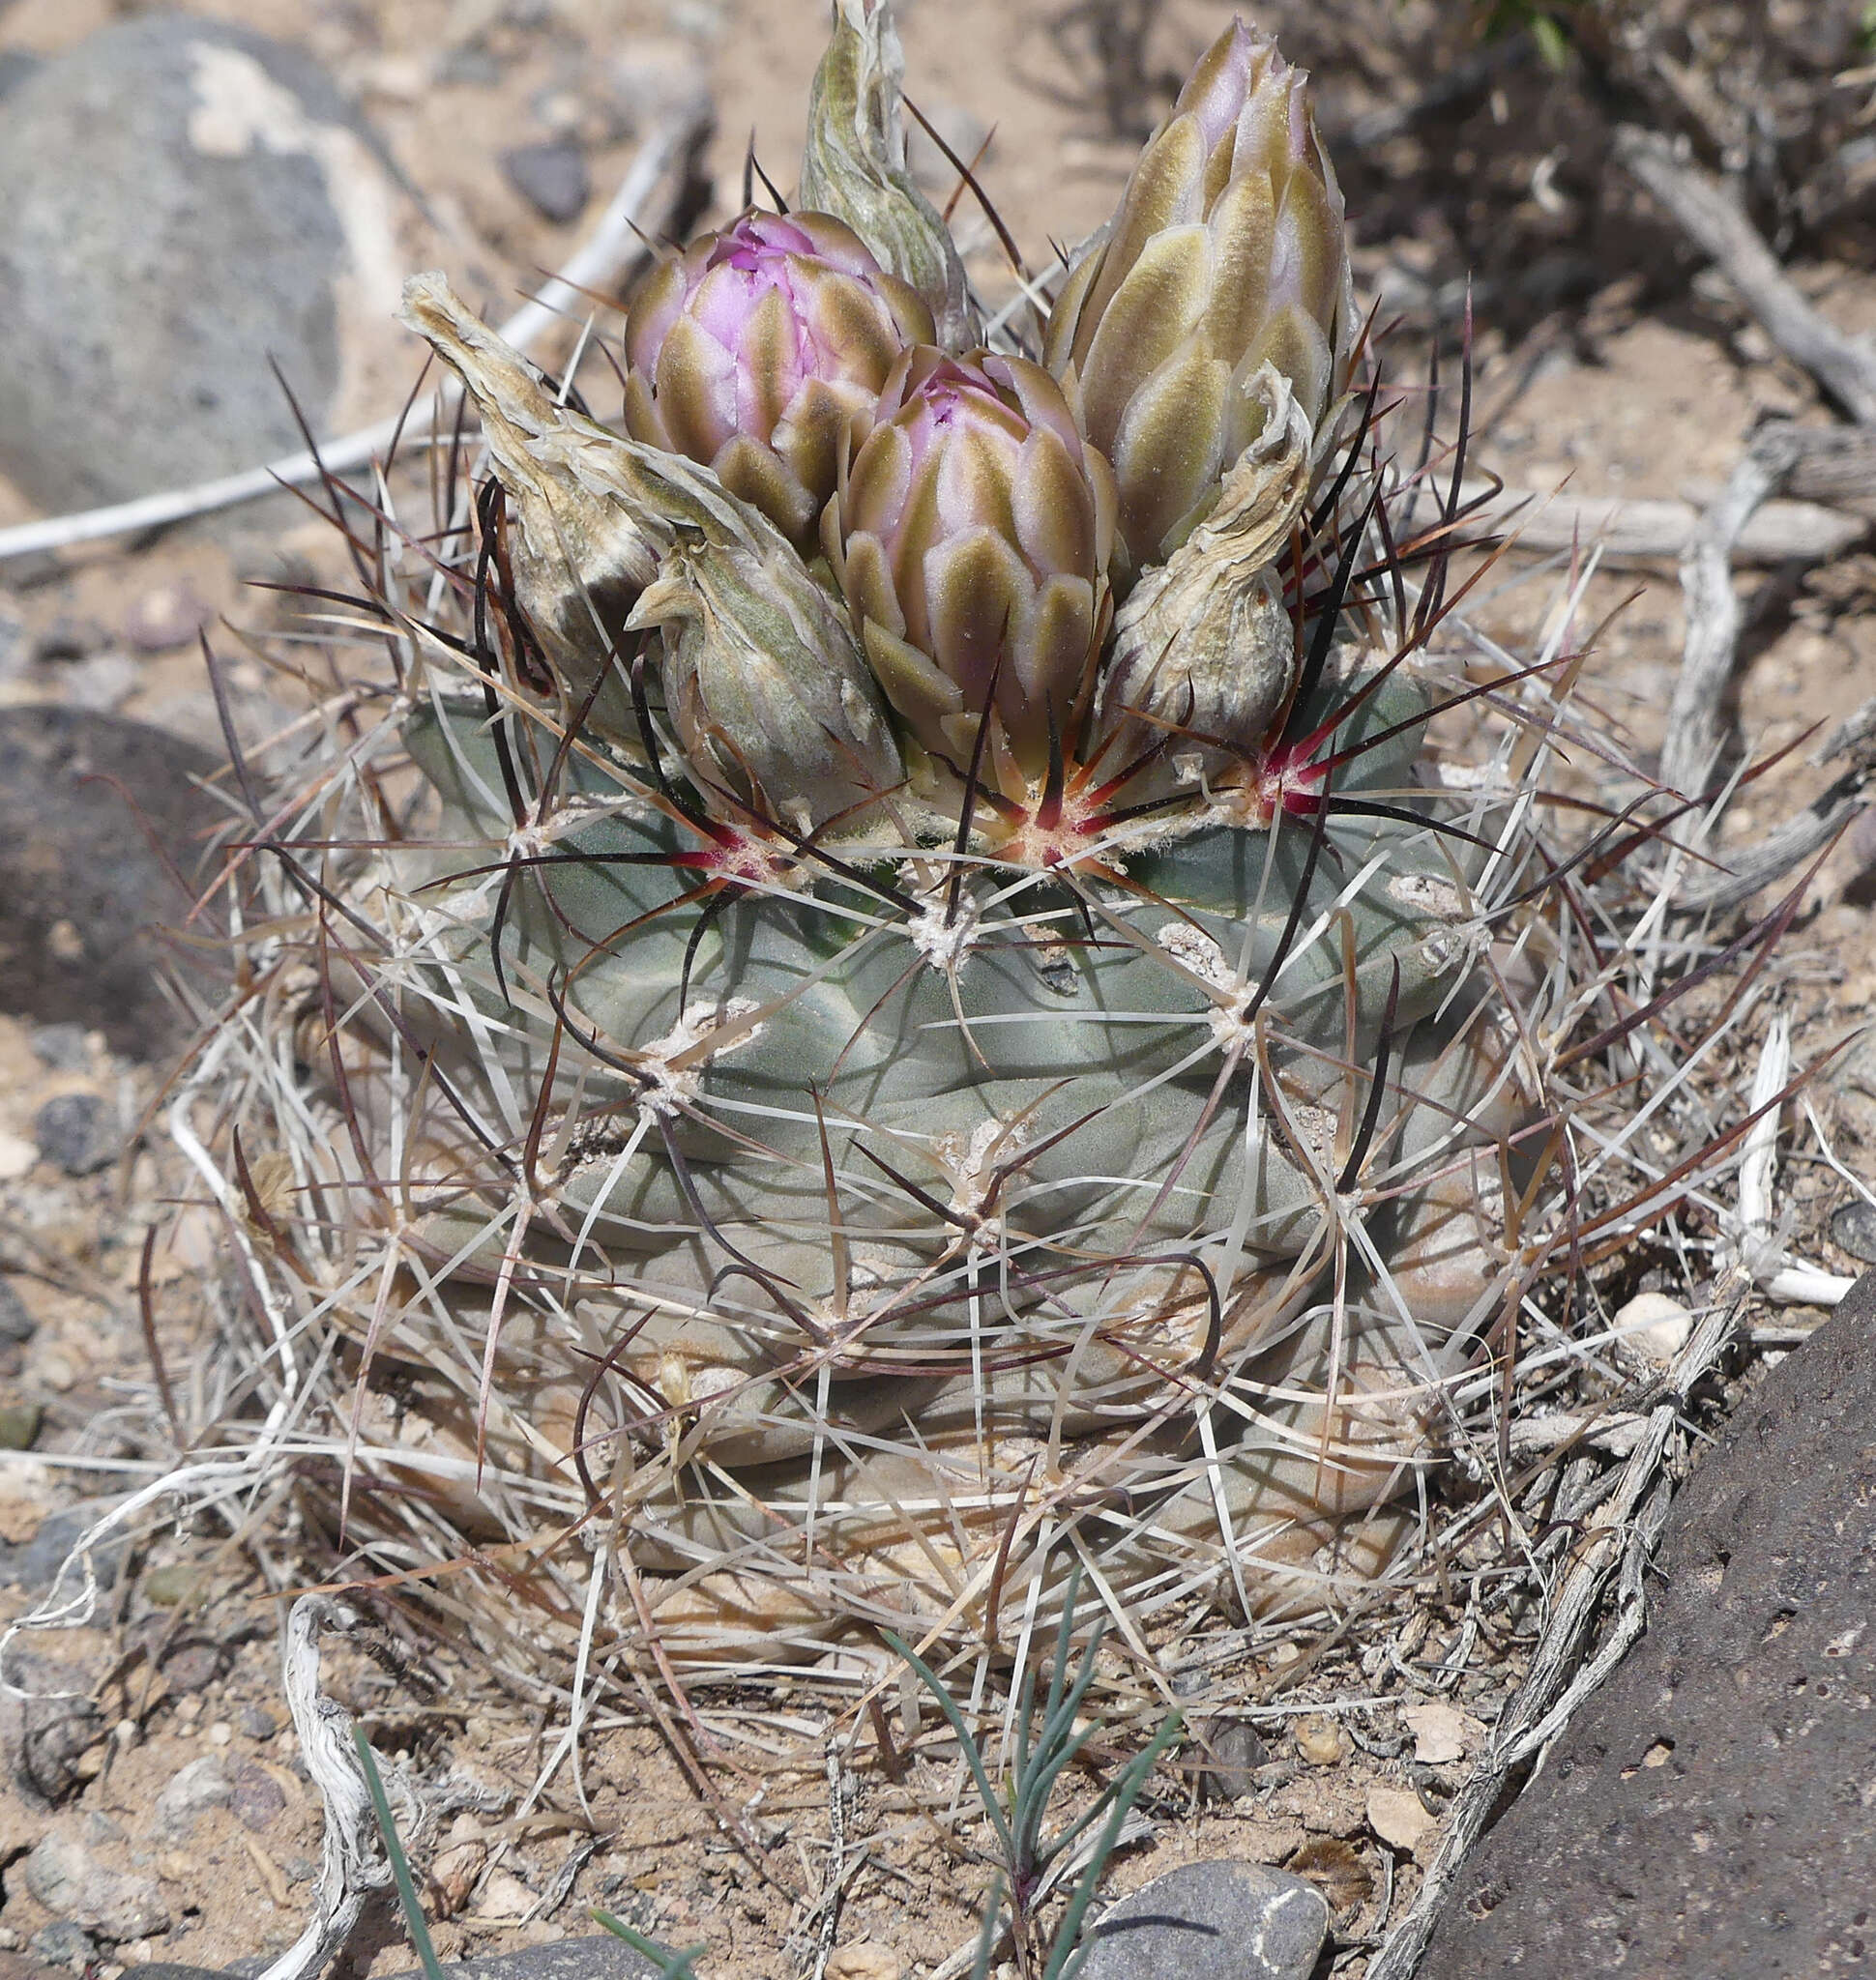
{"points": [[188, 1794], [64, 1944], [32, 1564], [80, 888], [111, 1905], [599, 1956], [14, 648], [15, 1323], [256, 1722], [176, 1969], [15, 66], [1221, 1920], [179, 200], [1710, 1809], [77, 1132], [62, 1047], [551, 177], [48, 1719], [1853, 1229]]}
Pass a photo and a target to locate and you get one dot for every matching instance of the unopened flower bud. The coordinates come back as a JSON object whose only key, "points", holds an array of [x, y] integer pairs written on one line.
{"points": [[757, 349], [971, 540], [853, 166], [1227, 252]]}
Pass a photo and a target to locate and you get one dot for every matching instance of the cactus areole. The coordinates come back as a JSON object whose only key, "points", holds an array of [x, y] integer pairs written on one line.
{"points": [[938, 1018]]}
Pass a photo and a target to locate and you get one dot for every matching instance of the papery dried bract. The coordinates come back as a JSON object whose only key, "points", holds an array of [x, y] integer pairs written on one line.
{"points": [[1227, 252], [758, 348], [1205, 653], [773, 704], [853, 166], [972, 539]]}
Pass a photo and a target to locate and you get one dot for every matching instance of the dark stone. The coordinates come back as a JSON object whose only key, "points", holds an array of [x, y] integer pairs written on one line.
{"points": [[1853, 1229], [598, 1956], [257, 1798], [551, 177], [15, 66], [256, 1722], [173, 218], [1230, 1753], [1710, 1809], [33, 1563], [62, 1047], [64, 1944], [19, 1424], [1211, 1921], [177, 1969], [81, 797], [66, 640], [77, 1132], [15, 1323]]}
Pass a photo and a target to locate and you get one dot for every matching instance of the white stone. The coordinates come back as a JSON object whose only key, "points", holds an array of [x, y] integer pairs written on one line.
{"points": [[1655, 1326], [1400, 1818], [1441, 1734]]}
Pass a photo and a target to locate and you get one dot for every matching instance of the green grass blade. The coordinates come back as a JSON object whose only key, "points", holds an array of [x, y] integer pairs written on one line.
{"points": [[419, 1931], [1065, 1961], [672, 1965], [972, 1758]]}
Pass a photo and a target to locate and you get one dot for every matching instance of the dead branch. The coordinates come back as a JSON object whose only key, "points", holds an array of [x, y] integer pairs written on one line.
{"points": [[1658, 530], [1840, 364], [1709, 651]]}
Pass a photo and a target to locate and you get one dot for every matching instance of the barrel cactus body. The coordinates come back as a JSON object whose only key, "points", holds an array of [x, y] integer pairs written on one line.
{"points": [[859, 1124]]}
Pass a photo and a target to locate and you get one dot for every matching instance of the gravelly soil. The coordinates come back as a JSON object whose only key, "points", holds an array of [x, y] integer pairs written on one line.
{"points": [[1627, 393]]}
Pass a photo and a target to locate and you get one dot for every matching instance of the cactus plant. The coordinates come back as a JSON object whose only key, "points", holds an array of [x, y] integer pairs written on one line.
{"points": [[883, 1049]]}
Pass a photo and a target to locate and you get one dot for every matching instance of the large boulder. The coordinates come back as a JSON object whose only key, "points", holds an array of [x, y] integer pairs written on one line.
{"points": [[180, 200], [1711, 1810]]}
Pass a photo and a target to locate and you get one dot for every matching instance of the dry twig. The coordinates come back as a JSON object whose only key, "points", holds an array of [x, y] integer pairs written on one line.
{"points": [[1845, 368], [1660, 531], [1710, 649]]}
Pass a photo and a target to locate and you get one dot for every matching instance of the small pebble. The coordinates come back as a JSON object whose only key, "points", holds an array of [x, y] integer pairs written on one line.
{"points": [[77, 1132], [865, 1960], [167, 1585], [17, 1157], [1231, 1753], [1853, 1229], [1441, 1734], [1319, 1742], [471, 66], [258, 1797], [1655, 1326], [165, 617], [1400, 1818], [15, 1323], [63, 1943], [551, 177], [220, 1733], [1218, 1920], [257, 1723], [69, 639], [62, 1047], [18, 1425]]}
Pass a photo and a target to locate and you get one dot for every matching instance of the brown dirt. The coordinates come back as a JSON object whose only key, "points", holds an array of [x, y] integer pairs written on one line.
{"points": [[1625, 394]]}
